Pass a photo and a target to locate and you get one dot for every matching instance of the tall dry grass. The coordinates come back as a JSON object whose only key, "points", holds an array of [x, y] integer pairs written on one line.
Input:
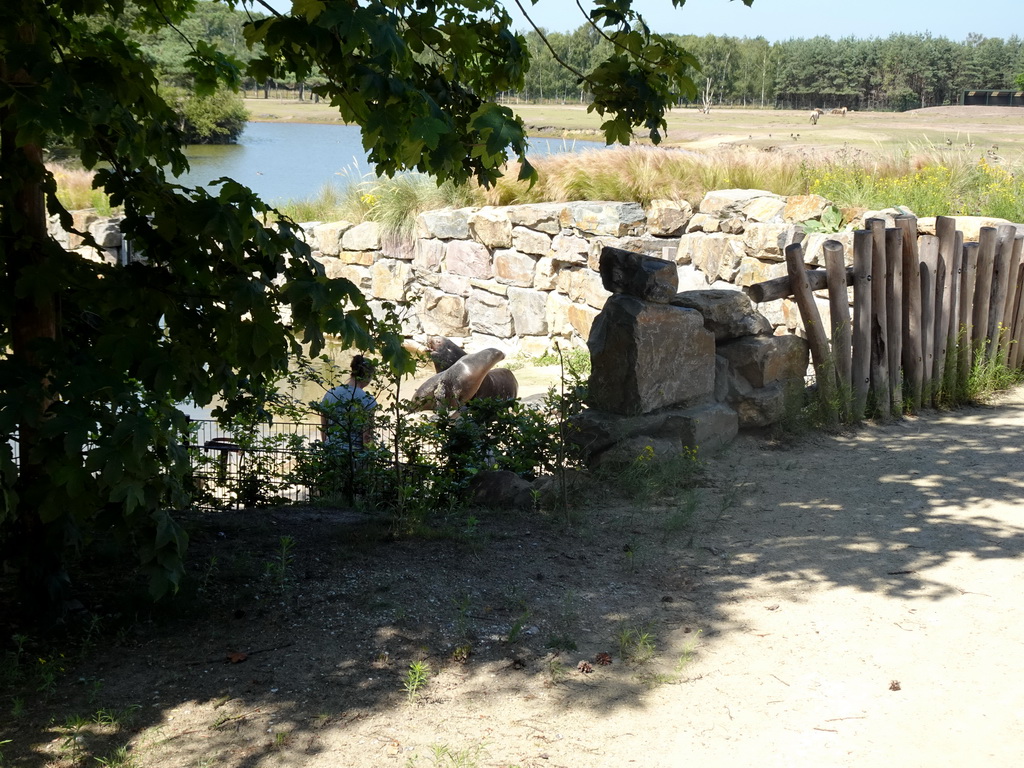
{"points": [[75, 190], [929, 180], [641, 174]]}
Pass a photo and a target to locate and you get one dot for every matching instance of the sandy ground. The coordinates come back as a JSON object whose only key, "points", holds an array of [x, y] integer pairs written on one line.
{"points": [[838, 600]]}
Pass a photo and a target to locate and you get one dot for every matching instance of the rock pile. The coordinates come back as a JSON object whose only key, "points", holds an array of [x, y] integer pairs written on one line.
{"points": [[674, 369]]}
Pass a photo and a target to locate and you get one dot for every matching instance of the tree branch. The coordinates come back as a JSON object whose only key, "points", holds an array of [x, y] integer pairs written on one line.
{"points": [[547, 44]]}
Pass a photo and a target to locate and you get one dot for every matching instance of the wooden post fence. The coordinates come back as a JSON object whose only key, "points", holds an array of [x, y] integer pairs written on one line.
{"points": [[926, 311]]}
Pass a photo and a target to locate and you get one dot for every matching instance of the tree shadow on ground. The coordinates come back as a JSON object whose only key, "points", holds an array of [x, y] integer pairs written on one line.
{"points": [[328, 635]]}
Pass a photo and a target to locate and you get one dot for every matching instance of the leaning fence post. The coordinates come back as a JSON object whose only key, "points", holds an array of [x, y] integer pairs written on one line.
{"points": [[816, 338], [861, 368], [913, 356], [839, 309]]}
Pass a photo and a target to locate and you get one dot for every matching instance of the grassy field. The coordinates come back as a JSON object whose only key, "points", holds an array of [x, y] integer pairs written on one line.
{"points": [[972, 129]]}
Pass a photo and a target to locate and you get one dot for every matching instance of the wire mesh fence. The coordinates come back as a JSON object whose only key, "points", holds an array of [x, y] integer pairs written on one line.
{"points": [[240, 466]]}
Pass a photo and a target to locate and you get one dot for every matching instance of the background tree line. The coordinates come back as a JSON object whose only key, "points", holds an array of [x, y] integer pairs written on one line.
{"points": [[900, 72]]}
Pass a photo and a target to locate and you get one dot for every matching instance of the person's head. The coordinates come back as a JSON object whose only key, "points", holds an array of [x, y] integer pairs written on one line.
{"points": [[362, 370]]}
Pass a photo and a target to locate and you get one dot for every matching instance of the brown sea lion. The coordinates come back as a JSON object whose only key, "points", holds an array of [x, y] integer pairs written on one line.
{"points": [[455, 386], [499, 382], [444, 352]]}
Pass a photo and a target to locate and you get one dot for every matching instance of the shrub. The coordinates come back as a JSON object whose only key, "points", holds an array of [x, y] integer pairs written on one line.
{"points": [[218, 118]]}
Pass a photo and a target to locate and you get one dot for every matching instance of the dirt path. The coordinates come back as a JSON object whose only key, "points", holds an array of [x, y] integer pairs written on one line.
{"points": [[766, 620]]}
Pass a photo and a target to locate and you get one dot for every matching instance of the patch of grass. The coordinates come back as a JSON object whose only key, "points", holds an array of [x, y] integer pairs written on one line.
{"points": [[641, 174], [689, 649], [416, 678], [281, 739], [682, 516], [650, 476], [18, 707], [325, 205], [119, 758], [557, 670], [516, 630], [636, 644], [75, 190], [928, 181], [443, 755], [116, 718], [988, 378], [279, 568], [575, 360]]}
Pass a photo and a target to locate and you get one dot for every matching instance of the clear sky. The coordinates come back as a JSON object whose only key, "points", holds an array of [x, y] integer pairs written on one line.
{"points": [[785, 19]]}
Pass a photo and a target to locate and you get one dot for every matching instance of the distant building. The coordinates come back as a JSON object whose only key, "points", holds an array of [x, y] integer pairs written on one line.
{"points": [[993, 99]]}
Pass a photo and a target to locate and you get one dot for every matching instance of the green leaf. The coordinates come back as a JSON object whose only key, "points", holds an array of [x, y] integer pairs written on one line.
{"points": [[428, 130]]}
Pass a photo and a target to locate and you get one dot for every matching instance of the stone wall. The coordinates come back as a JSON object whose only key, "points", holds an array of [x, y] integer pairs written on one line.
{"points": [[520, 277]]}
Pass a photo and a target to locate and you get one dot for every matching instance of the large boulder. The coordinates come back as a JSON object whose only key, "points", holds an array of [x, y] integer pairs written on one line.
{"points": [[727, 314], [603, 218], [648, 356], [708, 427], [668, 217], [763, 406], [444, 224], [635, 274], [500, 489], [763, 360]]}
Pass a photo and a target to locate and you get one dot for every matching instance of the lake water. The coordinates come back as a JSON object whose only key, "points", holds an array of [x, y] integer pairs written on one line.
{"points": [[293, 161]]}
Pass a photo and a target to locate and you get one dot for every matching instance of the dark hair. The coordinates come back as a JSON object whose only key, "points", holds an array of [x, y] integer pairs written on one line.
{"points": [[362, 369]]}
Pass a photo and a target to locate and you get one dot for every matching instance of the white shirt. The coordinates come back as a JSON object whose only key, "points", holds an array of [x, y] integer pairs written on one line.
{"points": [[349, 410]]}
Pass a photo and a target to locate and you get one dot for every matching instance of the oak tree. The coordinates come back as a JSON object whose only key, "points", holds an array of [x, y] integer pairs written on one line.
{"points": [[94, 357]]}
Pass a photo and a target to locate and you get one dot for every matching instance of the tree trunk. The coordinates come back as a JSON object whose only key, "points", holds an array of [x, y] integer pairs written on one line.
{"points": [[34, 322]]}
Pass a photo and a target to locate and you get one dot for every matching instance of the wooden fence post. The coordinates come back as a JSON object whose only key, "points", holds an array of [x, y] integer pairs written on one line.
{"points": [[1000, 287], [953, 349], [913, 356], [879, 324], [839, 309], [861, 366], [983, 290], [945, 280], [1017, 347], [968, 289], [929, 249], [816, 338], [894, 314], [1011, 298]]}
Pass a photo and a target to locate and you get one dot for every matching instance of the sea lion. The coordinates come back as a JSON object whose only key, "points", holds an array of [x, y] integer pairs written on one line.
{"points": [[444, 352], [455, 386], [499, 383]]}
